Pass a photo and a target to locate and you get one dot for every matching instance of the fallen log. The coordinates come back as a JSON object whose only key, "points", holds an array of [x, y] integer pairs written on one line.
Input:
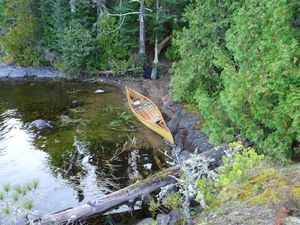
{"points": [[128, 194], [115, 199]]}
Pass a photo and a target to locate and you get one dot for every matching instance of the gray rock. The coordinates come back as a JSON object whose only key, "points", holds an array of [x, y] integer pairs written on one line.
{"points": [[40, 124], [13, 71], [99, 91], [173, 218], [76, 103], [146, 221], [292, 220], [162, 219]]}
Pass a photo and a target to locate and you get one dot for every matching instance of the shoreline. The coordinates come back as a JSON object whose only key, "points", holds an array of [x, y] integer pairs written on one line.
{"points": [[183, 124]]}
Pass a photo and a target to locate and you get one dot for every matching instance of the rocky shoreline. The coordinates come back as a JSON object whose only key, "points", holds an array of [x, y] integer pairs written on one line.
{"points": [[8, 71], [183, 124]]}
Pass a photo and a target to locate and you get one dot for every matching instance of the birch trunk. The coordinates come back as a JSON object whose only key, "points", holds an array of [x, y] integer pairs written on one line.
{"points": [[73, 6], [142, 50], [154, 72]]}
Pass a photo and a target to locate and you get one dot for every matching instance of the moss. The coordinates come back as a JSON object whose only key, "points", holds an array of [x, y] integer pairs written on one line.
{"points": [[173, 201], [262, 188], [269, 195], [296, 190], [192, 108]]}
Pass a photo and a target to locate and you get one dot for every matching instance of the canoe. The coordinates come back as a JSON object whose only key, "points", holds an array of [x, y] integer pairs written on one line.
{"points": [[148, 113]]}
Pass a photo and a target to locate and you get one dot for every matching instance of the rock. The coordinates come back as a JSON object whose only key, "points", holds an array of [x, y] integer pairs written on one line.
{"points": [[99, 91], [292, 220], [40, 124], [147, 221], [76, 103], [162, 219], [12, 71], [173, 218], [177, 217]]}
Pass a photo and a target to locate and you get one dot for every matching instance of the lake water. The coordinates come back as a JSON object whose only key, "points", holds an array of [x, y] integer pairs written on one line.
{"points": [[95, 147]]}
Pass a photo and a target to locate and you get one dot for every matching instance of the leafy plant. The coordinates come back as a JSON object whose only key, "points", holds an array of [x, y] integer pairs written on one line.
{"points": [[237, 167], [153, 206], [123, 118]]}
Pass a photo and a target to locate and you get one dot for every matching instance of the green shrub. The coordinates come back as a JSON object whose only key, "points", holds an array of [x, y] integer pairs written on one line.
{"points": [[262, 94], [236, 168], [153, 206], [173, 201], [77, 51]]}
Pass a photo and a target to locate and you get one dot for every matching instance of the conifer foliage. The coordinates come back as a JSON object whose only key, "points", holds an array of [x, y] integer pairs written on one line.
{"points": [[239, 63]]}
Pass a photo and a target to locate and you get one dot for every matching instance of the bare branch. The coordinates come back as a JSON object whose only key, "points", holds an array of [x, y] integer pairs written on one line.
{"points": [[124, 14]]}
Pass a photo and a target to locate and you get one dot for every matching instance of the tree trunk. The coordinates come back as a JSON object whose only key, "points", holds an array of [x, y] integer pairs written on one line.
{"points": [[142, 49], [73, 6], [101, 7], [164, 43], [107, 202], [154, 72]]}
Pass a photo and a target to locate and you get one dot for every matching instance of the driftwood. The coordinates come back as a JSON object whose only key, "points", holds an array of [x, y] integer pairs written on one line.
{"points": [[129, 194], [115, 199]]}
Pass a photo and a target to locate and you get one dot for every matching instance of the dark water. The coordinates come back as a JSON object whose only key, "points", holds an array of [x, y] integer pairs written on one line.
{"points": [[92, 150]]}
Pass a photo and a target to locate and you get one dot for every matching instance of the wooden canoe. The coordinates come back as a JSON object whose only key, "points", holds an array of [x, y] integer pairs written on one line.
{"points": [[148, 113]]}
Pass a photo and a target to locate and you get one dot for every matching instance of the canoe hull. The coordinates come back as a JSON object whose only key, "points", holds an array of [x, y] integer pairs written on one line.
{"points": [[167, 135], [162, 131]]}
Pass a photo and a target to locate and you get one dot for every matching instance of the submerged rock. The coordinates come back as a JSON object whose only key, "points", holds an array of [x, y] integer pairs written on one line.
{"points": [[99, 91], [76, 103], [40, 124]]}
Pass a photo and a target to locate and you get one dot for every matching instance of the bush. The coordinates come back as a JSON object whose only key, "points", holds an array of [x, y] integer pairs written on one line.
{"points": [[237, 167], [77, 51], [261, 95], [173, 201]]}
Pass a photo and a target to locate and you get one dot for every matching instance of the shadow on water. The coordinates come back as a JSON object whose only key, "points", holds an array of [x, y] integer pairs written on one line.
{"points": [[95, 147]]}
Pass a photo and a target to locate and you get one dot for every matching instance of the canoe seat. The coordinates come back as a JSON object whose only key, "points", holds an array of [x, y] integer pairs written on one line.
{"points": [[143, 106]]}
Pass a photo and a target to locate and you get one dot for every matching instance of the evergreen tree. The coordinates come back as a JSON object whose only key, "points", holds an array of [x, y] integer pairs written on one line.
{"points": [[22, 35]]}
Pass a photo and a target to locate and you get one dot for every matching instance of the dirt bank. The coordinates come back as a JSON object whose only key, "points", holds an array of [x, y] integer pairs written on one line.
{"points": [[183, 124]]}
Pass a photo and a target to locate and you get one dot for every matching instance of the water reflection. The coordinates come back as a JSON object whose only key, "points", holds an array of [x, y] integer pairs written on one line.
{"points": [[86, 155]]}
